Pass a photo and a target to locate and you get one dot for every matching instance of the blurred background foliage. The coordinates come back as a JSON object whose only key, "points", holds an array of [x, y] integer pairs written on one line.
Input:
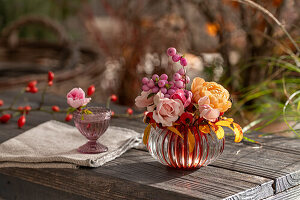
{"points": [[231, 42]]}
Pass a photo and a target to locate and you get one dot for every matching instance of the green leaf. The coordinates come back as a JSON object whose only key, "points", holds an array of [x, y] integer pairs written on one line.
{"points": [[250, 140], [71, 109], [284, 111], [88, 112], [82, 117], [150, 95]]}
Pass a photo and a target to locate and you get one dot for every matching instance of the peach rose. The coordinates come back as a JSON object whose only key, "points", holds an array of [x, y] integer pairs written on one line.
{"points": [[216, 93], [206, 111], [167, 110], [142, 101]]}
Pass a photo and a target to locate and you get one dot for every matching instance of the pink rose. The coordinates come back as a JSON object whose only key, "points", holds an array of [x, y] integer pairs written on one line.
{"points": [[206, 111], [158, 97], [76, 98], [184, 97], [189, 96], [167, 110], [142, 101]]}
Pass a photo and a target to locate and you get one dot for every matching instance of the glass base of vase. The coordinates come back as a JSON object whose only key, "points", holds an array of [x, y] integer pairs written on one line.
{"points": [[92, 147]]}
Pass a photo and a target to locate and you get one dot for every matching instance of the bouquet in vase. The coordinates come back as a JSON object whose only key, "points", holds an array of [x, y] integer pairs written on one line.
{"points": [[185, 127]]}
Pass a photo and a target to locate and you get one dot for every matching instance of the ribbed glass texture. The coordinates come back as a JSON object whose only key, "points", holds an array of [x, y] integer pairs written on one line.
{"points": [[173, 151], [92, 126]]}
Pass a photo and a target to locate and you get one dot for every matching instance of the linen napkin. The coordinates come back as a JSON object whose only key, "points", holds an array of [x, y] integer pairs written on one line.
{"points": [[54, 145]]}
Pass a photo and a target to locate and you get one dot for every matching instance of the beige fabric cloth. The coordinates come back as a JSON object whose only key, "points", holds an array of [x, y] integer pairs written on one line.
{"points": [[53, 145]]}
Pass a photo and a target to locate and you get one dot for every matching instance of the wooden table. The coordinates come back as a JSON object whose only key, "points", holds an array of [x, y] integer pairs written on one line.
{"points": [[243, 171]]}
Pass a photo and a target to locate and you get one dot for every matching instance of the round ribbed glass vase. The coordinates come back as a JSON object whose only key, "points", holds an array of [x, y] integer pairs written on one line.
{"points": [[173, 151]]}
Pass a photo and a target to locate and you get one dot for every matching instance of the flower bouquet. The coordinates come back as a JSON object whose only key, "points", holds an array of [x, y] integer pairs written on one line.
{"points": [[185, 127]]}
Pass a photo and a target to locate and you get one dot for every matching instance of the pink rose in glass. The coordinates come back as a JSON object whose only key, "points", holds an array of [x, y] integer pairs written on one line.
{"points": [[206, 111], [142, 101], [167, 110], [76, 98], [184, 97]]}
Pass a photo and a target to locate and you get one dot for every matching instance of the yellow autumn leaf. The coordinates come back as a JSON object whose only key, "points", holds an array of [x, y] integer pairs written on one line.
{"points": [[204, 129], [154, 125], [220, 132], [146, 134], [191, 141], [223, 123], [174, 130], [238, 132], [228, 119]]}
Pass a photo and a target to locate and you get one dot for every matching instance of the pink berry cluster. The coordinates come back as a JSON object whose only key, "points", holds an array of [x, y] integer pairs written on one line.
{"points": [[160, 83], [175, 57]]}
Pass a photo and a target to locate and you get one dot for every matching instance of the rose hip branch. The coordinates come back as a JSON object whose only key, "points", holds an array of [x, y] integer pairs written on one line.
{"points": [[12, 111]]}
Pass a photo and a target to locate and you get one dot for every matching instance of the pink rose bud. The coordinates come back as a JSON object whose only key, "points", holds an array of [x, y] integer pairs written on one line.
{"points": [[76, 98]]}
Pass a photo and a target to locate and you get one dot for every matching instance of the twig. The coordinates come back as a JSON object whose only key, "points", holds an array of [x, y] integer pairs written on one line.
{"points": [[129, 116], [265, 11], [43, 97]]}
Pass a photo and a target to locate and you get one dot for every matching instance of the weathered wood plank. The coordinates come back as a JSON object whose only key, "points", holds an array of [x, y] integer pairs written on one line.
{"points": [[207, 182], [14, 188], [290, 194], [279, 143], [282, 167], [86, 183]]}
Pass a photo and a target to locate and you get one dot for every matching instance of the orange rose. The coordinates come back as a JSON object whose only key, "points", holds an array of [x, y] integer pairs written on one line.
{"points": [[216, 93]]}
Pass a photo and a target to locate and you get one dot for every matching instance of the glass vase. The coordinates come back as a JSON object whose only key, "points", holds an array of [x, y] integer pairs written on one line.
{"points": [[173, 151]]}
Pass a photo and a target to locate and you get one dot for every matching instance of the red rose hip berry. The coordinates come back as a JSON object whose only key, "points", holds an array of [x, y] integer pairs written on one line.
{"points": [[129, 111], [91, 90], [55, 108], [113, 98], [50, 76], [5, 118], [68, 117], [21, 121]]}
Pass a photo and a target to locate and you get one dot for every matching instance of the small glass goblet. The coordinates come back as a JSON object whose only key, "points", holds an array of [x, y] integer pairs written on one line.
{"points": [[92, 126]]}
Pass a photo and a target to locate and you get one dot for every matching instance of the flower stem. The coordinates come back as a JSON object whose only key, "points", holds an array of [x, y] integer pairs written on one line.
{"points": [[43, 97], [129, 116], [16, 98], [108, 103]]}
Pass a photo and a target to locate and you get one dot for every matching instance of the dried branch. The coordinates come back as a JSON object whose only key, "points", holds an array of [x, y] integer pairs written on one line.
{"points": [[265, 11]]}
